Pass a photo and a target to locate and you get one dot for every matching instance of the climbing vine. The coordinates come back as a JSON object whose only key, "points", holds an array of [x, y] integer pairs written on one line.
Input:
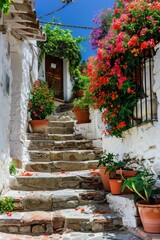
{"points": [[60, 43], [4, 5]]}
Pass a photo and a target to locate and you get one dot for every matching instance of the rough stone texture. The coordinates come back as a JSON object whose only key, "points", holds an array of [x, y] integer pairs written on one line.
{"points": [[125, 206], [61, 165], [55, 137], [68, 155], [39, 229], [5, 101], [58, 145], [25, 229]]}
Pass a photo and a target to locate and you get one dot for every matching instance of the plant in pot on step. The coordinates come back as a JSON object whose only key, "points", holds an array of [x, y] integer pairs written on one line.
{"points": [[80, 82], [81, 107], [106, 160], [143, 187], [40, 105], [115, 180]]}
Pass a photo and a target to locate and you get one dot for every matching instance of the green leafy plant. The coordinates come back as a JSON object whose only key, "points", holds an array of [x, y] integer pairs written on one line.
{"points": [[113, 166], [81, 81], [41, 101], [12, 168], [60, 43], [106, 158], [6, 204], [143, 186], [4, 5]]}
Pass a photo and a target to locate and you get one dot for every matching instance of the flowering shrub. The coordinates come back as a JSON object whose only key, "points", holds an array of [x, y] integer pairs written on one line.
{"points": [[103, 19], [134, 28], [41, 101]]}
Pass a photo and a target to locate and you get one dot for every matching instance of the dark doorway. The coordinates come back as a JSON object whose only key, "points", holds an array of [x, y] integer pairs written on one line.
{"points": [[54, 75]]}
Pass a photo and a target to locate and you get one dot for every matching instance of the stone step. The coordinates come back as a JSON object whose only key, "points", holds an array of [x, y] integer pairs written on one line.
{"points": [[61, 165], [54, 200], [93, 218], [61, 124], [67, 155], [58, 145], [55, 137], [60, 130], [31, 181]]}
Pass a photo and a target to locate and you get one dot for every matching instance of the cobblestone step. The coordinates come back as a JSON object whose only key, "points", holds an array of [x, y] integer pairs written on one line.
{"points": [[60, 130], [61, 124], [111, 235], [59, 145], [61, 166], [93, 218], [55, 181], [55, 137], [68, 155], [54, 200]]}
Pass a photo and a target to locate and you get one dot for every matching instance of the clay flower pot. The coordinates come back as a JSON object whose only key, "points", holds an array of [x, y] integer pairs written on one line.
{"points": [[82, 115], [39, 126], [126, 173], [105, 178], [116, 186], [150, 216]]}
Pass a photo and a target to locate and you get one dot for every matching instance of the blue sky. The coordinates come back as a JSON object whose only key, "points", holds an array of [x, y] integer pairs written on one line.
{"points": [[79, 13]]}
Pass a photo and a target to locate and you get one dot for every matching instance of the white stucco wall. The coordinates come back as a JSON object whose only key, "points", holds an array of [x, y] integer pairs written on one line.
{"points": [[25, 71], [92, 130], [141, 143], [67, 84], [5, 101]]}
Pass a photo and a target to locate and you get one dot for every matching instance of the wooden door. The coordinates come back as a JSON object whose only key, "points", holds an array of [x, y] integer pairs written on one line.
{"points": [[54, 75]]}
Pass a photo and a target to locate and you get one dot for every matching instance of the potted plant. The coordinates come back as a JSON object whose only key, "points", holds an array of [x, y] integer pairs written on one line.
{"points": [[143, 187], [81, 81], [81, 106], [115, 180], [105, 162], [40, 105]]}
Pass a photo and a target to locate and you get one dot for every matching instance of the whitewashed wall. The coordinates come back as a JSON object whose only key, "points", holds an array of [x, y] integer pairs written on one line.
{"points": [[5, 101], [142, 144], [67, 84], [92, 130], [25, 71]]}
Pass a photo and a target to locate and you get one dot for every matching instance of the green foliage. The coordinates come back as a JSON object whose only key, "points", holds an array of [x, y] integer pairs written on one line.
{"points": [[4, 5], [106, 158], [6, 204], [81, 81], [12, 168], [60, 43], [142, 185], [41, 101]]}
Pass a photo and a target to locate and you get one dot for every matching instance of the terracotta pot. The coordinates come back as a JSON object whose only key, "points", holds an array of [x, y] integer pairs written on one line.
{"points": [[79, 93], [82, 115], [116, 186], [150, 216], [126, 173], [39, 126], [105, 178]]}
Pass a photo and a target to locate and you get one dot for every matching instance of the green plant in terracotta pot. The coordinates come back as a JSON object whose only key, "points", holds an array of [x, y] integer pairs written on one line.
{"points": [[115, 180], [81, 81], [106, 160], [40, 105], [81, 107], [143, 187]]}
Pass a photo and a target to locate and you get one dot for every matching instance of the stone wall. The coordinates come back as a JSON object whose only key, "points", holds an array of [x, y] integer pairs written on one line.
{"points": [[25, 71], [142, 143], [5, 101]]}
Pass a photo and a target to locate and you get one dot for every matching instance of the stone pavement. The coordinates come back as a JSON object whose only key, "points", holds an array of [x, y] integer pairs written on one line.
{"points": [[74, 236], [58, 194]]}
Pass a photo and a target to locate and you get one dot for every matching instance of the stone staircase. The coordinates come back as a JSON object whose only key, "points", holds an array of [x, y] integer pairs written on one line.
{"points": [[57, 192]]}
